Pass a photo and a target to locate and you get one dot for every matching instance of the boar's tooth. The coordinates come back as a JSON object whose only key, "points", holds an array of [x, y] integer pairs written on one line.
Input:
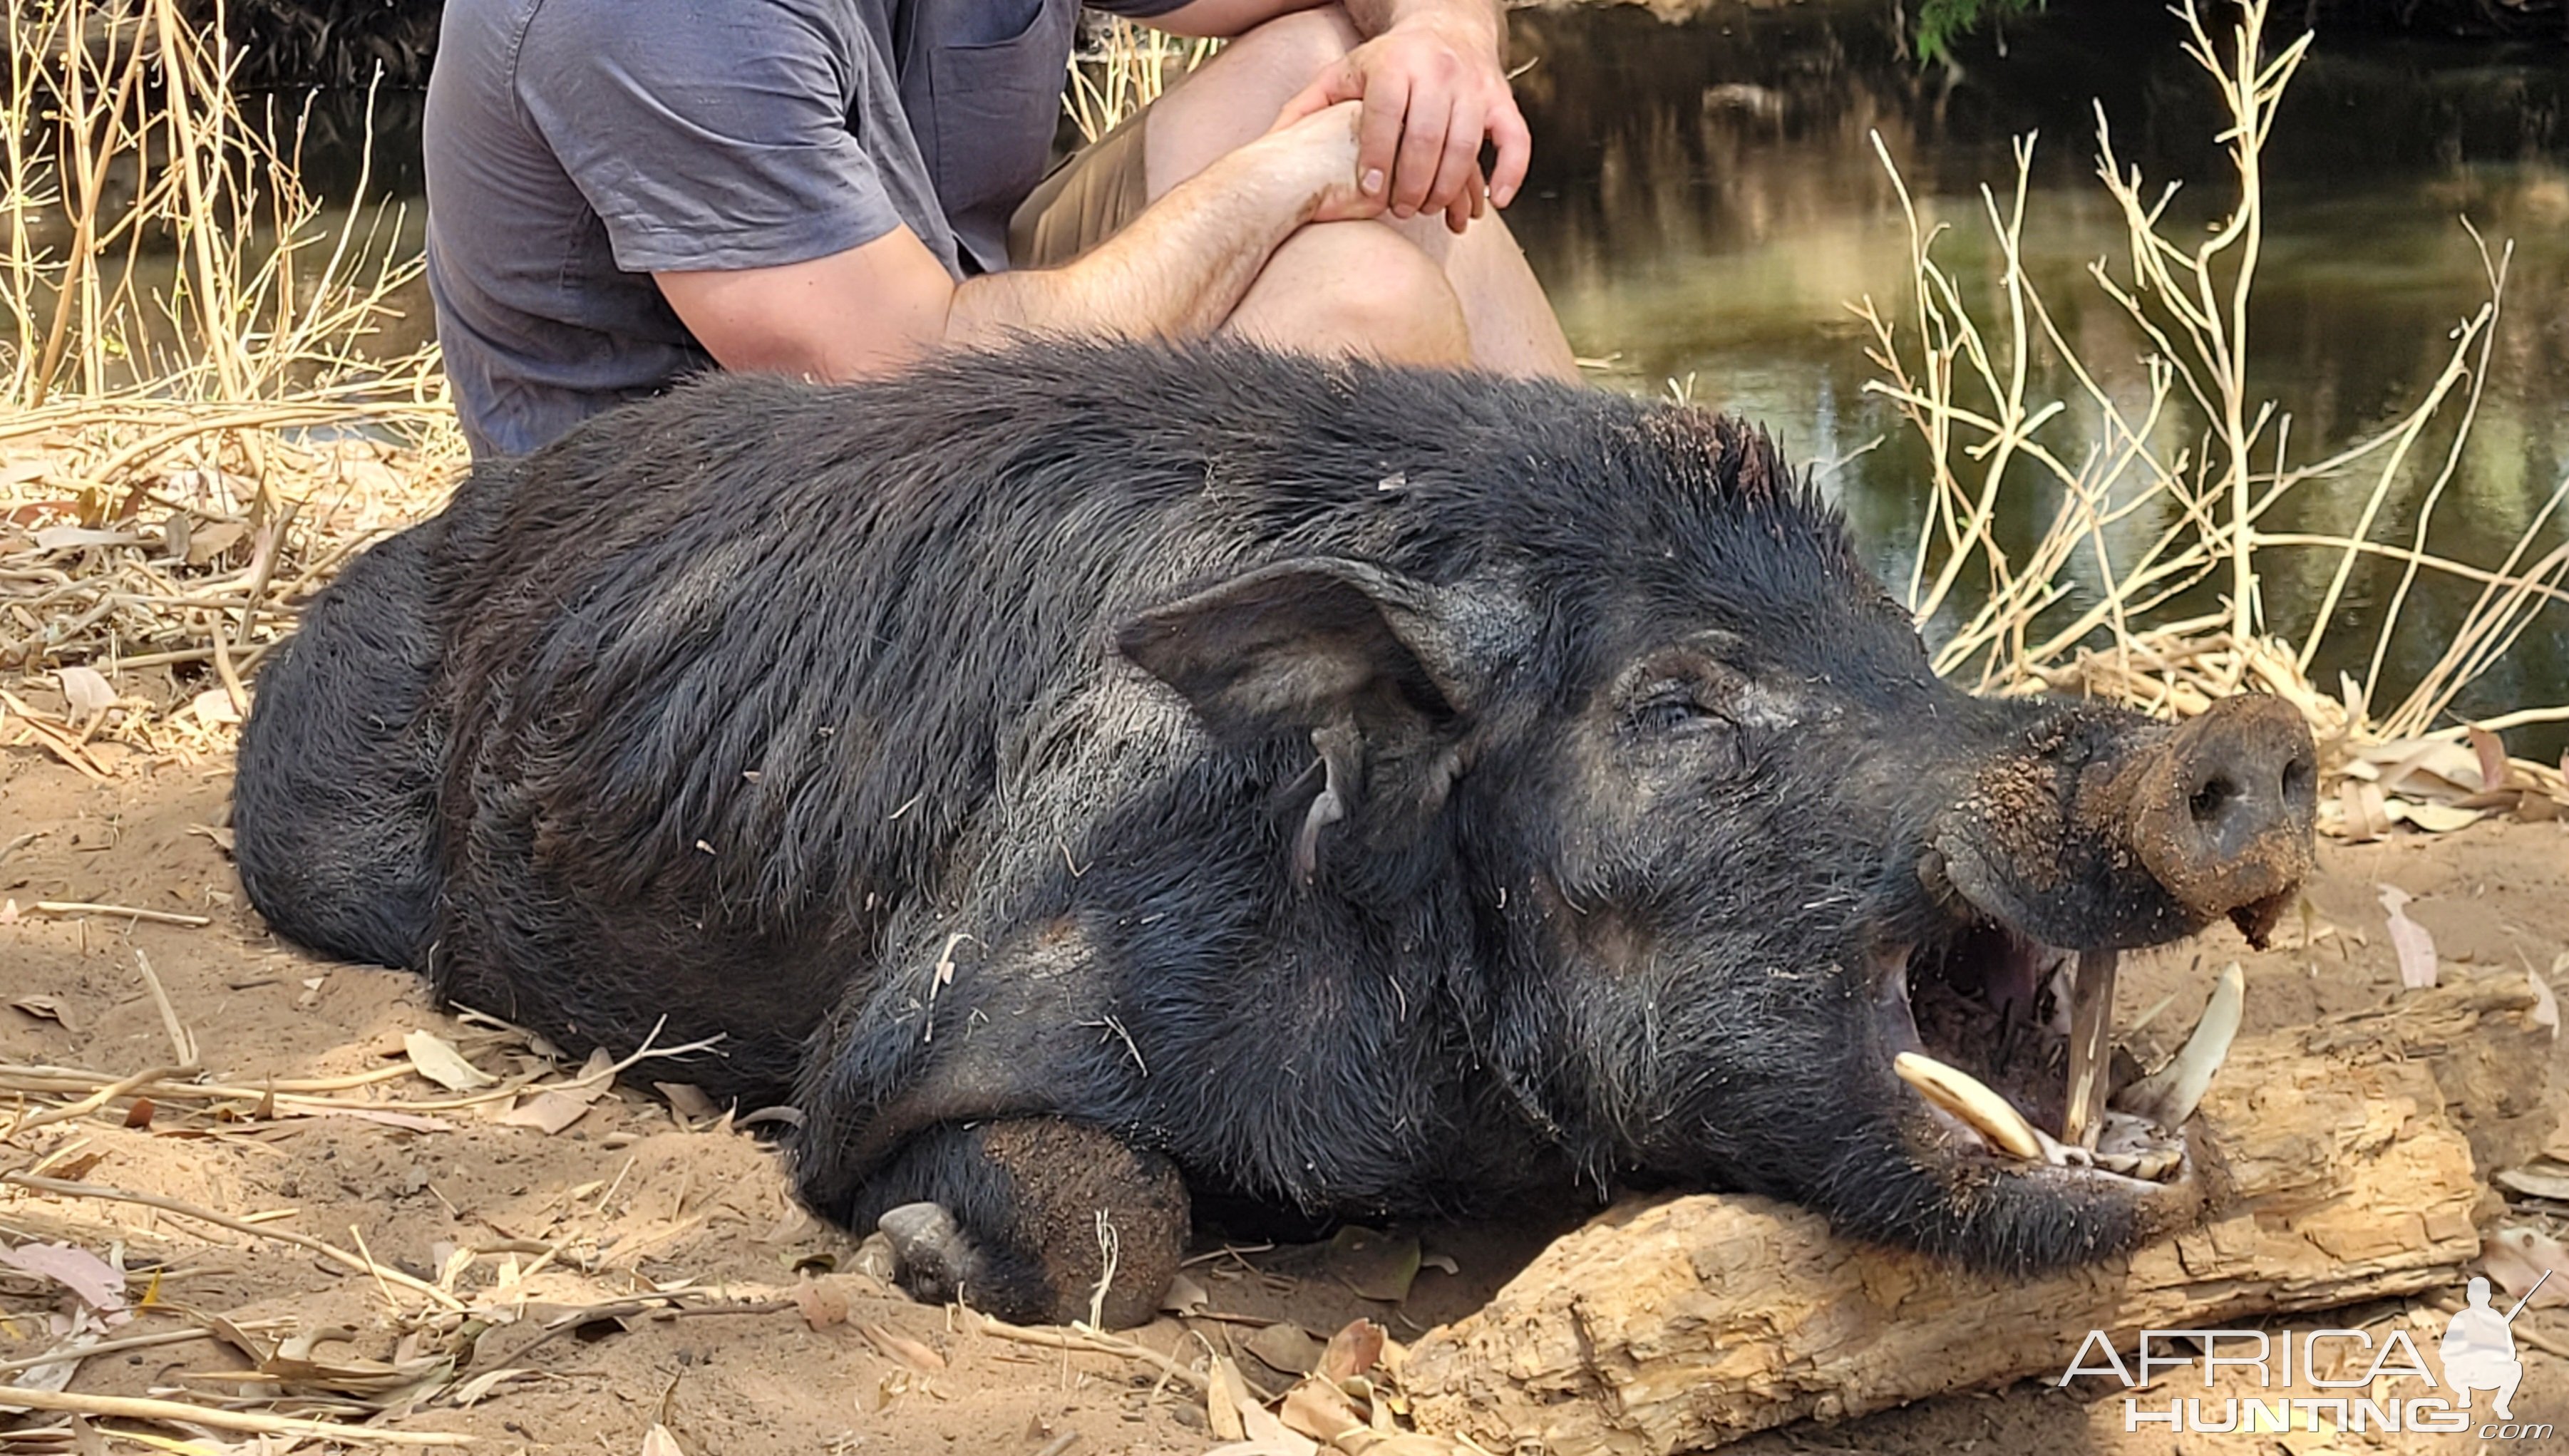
{"points": [[1972, 1100], [2169, 1095], [2092, 1024]]}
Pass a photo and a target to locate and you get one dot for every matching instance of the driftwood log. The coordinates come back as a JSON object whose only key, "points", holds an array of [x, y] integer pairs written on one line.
{"points": [[2355, 1153]]}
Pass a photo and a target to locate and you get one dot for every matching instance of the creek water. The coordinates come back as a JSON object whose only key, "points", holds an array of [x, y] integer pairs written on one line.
{"points": [[1706, 199]]}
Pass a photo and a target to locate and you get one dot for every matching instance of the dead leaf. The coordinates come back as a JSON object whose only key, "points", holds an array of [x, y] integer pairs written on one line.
{"points": [[1225, 1394], [1353, 1350], [1286, 1348], [45, 1008], [87, 690], [549, 1111], [2365, 816], [213, 707], [2516, 1257], [1376, 1264], [53, 1374], [1265, 1431], [432, 1058], [1320, 1410], [213, 541], [2492, 756], [899, 1346], [2546, 1006], [99, 1284], [1185, 1297], [2538, 1180], [658, 1442], [477, 1389], [2415, 948], [66, 537], [822, 1304], [688, 1100], [2432, 817]]}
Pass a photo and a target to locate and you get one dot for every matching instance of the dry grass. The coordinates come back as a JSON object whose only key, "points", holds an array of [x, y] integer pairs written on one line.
{"points": [[1123, 68], [195, 426], [2190, 471]]}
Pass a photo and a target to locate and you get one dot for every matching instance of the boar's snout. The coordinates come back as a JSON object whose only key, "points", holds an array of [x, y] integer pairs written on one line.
{"points": [[2223, 810]]}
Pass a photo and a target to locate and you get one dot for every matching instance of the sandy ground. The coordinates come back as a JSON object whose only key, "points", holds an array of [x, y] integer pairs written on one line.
{"points": [[633, 1200]]}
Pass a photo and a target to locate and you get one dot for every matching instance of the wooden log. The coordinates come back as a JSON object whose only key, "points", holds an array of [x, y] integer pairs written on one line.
{"points": [[1681, 1325]]}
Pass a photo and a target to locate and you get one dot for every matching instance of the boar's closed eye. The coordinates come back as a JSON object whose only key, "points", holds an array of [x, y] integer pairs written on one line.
{"points": [[1673, 707]]}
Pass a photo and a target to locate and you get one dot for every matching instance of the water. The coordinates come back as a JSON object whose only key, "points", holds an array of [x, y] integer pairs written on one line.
{"points": [[1706, 200]]}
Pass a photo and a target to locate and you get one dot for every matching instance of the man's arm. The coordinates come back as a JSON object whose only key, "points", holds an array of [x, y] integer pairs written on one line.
{"points": [[1178, 269]]}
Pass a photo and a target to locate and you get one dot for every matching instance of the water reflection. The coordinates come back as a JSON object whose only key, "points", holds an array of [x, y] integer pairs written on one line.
{"points": [[1706, 200]]}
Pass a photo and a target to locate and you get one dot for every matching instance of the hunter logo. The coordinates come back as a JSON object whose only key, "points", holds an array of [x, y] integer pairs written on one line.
{"points": [[2360, 1382]]}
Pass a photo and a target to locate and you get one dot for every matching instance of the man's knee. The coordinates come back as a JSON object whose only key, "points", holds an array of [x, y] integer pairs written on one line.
{"points": [[1356, 288], [1292, 49]]}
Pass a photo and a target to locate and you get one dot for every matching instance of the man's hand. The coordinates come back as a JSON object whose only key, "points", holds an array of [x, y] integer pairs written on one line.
{"points": [[1320, 150], [1432, 88]]}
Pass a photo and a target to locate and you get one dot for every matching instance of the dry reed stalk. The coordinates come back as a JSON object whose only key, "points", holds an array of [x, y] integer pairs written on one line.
{"points": [[194, 358], [2188, 507], [1124, 68]]}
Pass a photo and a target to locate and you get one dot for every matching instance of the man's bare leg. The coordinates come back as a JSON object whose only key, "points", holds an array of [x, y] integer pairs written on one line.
{"points": [[1340, 287], [1508, 321]]}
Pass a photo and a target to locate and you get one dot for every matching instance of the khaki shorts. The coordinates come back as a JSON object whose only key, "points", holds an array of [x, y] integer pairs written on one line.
{"points": [[1087, 199]]}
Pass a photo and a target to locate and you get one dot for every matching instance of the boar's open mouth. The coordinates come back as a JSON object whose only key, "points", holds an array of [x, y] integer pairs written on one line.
{"points": [[2009, 1042]]}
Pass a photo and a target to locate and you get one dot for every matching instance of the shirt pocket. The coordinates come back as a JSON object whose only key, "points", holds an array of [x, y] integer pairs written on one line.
{"points": [[995, 75]]}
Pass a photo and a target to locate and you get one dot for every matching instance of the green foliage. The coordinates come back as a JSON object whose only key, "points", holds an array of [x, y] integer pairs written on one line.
{"points": [[1942, 22]]}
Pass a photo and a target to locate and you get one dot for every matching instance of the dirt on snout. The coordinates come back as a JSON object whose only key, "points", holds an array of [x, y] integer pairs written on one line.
{"points": [[657, 1274]]}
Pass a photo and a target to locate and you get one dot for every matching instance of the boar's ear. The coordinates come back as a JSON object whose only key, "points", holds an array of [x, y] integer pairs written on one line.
{"points": [[1311, 644]]}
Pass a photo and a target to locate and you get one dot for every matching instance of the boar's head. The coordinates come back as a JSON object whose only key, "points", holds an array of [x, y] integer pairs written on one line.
{"points": [[1747, 884]]}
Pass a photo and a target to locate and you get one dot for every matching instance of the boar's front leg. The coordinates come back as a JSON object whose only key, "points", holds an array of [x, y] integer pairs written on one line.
{"points": [[1018, 1218]]}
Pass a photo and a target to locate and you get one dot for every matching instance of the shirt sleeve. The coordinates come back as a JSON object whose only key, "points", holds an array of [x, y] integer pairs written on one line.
{"points": [[705, 137]]}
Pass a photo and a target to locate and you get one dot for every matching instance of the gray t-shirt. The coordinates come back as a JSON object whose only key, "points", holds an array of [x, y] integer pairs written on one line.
{"points": [[576, 147]]}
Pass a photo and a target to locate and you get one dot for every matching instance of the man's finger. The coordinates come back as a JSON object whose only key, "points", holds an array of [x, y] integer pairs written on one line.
{"points": [[1460, 160], [1386, 101], [1507, 130], [1337, 83], [1470, 203], [1422, 151]]}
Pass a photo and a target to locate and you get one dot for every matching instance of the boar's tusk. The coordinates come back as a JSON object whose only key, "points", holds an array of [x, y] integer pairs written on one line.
{"points": [[2168, 1096], [1972, 1100], [2091, 1022]]}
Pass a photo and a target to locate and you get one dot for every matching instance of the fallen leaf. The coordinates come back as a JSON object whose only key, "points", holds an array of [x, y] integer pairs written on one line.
{"points": [[899, 1346], [477, 1389], [213, 707], [1225, 1394], [45, 1008], [552, 1109], [1264, 1430], [1376, 1264], [54, 1374], [1320, 1410], [99, 1284], [65, 538], [432, 1058], [688, 1100], [2546, 1006], [821, 1303], [1185, 1297], [1353, 1350], [87, 690], [2516, 1257], [1286, 1348], [2492, 757], [2432, 817], [211, 542], [2538, 1180], [658, 1442], [2365, 816], [2415, 948]]}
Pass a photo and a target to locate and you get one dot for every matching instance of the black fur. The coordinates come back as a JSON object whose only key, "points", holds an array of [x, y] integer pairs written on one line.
{"points": [[1376, 791]]}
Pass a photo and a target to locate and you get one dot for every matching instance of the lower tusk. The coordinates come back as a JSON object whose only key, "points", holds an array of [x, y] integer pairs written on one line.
{"points": [[2169, 1095], [2091, 1025], [1972, 1100]]}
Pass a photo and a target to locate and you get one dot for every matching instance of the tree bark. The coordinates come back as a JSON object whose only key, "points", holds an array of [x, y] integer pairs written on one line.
{"points": [[1681, 1325]]}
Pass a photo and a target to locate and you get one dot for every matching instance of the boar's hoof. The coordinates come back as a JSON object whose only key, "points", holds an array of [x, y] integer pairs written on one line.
{"points": [[932, 1259]]}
